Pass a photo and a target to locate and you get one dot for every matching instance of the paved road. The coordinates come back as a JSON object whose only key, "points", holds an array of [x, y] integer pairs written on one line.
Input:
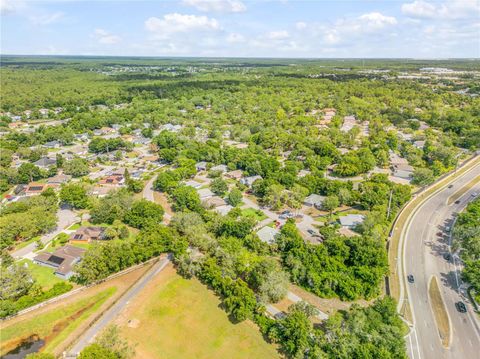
{"points": [[66, 218], [148, 195], [426, 242], [89, 335]]}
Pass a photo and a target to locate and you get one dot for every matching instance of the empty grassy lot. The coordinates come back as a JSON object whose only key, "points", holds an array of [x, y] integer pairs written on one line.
{"points": [[176, 318]]}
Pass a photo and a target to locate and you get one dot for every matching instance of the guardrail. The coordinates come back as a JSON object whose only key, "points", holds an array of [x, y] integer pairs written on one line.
{"points": [[78, 290]]}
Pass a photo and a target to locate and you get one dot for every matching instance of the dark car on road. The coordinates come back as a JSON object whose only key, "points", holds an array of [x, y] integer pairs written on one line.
{"points": [[447, 256], [457, 201], [311, 232], [461, 307], [450, 186], [410, 278]]}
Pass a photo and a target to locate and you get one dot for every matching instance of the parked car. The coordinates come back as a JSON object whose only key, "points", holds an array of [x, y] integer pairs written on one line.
{"points": [[311, 232], [447, 256], [457, 201], [410, 278], [450, 186], [461, 307]]}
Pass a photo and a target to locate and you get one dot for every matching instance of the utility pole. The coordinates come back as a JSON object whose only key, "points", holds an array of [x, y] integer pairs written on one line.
{"points": [[389, 203]]}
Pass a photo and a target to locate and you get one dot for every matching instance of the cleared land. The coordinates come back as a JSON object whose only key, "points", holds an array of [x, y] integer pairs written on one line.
{"points": [[61, 322], [439, 312], [178, 318]]}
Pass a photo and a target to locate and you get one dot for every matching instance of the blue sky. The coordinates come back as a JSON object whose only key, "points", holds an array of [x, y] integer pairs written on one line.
{"points": [[243, 28]]}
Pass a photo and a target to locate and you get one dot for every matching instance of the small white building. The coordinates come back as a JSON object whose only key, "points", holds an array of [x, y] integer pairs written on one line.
{"points": [[248, 181], [351, 220], [267, 234], [314, 200]]}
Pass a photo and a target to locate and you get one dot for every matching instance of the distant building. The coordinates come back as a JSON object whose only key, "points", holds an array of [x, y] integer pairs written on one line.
{"points": [[193, 184], [205, 193], [59, 179], [314, 200], [248, 181], [267, 234], [237, 174], [220, 168], [201, 166], [351, 220], [348, 123], [45, 162], [52, 144], [87, 234], [35, 188], [63, 260]]}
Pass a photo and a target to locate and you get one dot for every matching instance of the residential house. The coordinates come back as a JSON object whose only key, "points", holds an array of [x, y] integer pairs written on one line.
{"points": [[205, 193], [45, 162], [223, 210], [44, 112], [348, 123], [248, 181], [100, 191], [236, 175], [220, 168], [201, 166], [419, 144], [193, 184], [214, 202], [351, 220], [112, 180], [62, 260], [59, 179], [87, 234], [52, 144], [35, 188], [268, 234], [314, 200]]}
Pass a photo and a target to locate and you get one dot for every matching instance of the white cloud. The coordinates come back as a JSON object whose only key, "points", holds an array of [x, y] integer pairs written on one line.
{"points": [[449, 9], [46, 19], [221, 6], [375, 20], [174, 23], [106, 38], [235, 38], [300, 25], [277, 35]]}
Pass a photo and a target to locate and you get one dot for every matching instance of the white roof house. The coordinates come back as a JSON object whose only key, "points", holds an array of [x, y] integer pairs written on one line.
{"points": [[205, 193], [314, 200], [351, 220], [267, 234], [223, 210], [221, 168], [193, 184], [248, 181]]}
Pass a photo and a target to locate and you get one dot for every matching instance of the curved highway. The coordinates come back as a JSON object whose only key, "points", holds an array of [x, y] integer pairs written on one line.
{"points": [[427, 239]]}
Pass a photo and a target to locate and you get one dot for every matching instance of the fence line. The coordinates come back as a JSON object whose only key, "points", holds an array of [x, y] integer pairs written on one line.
{"points": [[78, 290]]}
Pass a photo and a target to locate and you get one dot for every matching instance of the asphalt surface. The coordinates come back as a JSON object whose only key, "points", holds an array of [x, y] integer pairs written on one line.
{"points": [[89, 335], [148, 195], [427, 240]]}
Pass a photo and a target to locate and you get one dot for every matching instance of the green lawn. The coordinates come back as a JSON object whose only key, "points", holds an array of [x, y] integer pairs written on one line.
{"points": [[254, 213], [43, 275], [75, 226], [57, 324], [176, 318]]}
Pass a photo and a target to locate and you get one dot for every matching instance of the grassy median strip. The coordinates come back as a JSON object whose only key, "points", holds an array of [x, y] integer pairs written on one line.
{"points": [[463, 190], [439, 312]]}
